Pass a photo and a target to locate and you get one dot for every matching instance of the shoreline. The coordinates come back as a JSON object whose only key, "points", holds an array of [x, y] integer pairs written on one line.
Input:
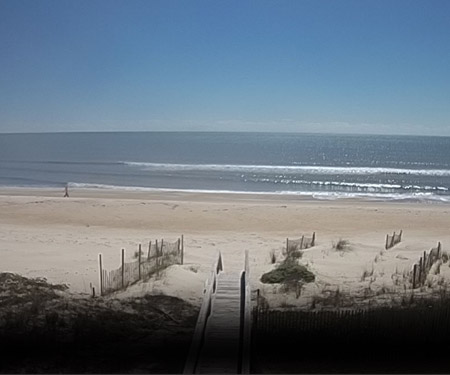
{"points": [[206, 195]]}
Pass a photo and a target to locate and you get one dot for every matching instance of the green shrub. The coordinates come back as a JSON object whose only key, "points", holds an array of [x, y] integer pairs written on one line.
{"points": [[287, 272]]}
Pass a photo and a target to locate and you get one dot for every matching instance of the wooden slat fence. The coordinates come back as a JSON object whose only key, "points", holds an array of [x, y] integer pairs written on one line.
{"points": [[159, 256], [393, 240], [422, 323], [300, 244], [421, 269]]}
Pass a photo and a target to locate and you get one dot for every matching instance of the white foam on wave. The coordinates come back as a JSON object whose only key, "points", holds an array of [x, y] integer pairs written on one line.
{"points": [[314, 194], [287, 169], [356, 185]]}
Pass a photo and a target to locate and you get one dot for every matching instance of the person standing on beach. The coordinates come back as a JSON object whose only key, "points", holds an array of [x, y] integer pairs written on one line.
{"points": [[66, 192]]}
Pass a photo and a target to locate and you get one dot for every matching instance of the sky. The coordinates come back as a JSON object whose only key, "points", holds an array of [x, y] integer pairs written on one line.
{"points": [[363, 66]]}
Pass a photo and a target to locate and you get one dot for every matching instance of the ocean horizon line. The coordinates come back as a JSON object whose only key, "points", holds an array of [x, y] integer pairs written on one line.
{"points": [[227, 132]]}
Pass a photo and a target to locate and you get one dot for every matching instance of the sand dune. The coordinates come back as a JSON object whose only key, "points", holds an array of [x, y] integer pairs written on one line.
{"points": [[45, 235]]}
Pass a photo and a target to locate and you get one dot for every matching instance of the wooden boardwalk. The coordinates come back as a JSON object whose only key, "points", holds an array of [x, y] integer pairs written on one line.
{"points": [[221, 340], [220, 353]]}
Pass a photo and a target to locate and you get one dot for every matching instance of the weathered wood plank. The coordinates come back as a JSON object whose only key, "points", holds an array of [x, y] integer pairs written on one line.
{"points": [[220, 353]]}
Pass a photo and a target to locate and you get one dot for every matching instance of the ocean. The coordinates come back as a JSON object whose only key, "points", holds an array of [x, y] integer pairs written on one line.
{"points": [[323, 166]]}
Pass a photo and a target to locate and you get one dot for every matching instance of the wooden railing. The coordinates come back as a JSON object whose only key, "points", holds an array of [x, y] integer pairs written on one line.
{"points": [[246, 319], [205, 311]]}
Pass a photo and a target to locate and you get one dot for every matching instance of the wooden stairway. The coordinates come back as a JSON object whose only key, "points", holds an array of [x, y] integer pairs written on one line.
{"points": [[220, 352], [221, 340]]}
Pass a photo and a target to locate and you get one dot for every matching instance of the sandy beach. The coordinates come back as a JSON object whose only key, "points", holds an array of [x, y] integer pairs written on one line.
{"points": [[45, 235]]}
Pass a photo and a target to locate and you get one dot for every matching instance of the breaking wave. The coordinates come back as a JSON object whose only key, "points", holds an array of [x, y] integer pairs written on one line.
{"points": [[329, 170], [322, 195]]}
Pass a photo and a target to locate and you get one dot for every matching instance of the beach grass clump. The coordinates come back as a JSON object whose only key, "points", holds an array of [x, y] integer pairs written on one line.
{"points": [[437, 267], [287, 272], [296, 254], [273, 257], [331, 298], [367, 273], [342, 245]]}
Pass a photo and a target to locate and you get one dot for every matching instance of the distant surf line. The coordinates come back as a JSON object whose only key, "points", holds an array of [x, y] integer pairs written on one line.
{"points": [[358, 185], [288, 168], [320, 195]]}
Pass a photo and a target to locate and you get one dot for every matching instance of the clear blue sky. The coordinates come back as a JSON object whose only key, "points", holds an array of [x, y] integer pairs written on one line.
{"points": [[303, 66]]}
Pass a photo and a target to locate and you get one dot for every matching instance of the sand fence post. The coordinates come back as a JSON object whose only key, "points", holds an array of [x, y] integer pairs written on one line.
{"points": [[101, 273], [182, 249], [92, 288], [386, 246], [420, 271], [219, 263], [287, 245], [149, 247], [414, 276], [123, 268], [139, 259], [400, 236], [313, 239], [162, 252], [157, 257], [301, 242]]}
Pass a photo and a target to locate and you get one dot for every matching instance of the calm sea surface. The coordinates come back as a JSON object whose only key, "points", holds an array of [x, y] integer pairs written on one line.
{"points": [[324, 166]]}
